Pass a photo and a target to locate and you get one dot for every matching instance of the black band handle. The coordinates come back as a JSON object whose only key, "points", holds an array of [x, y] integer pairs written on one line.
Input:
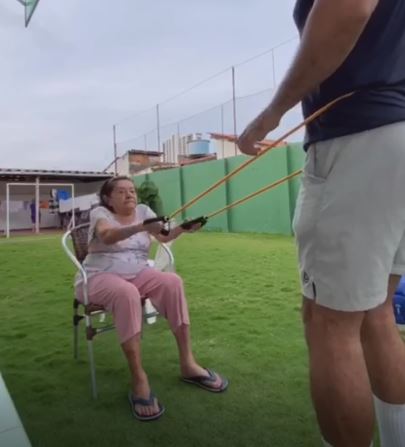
{"points": [[164, 219], [188, 224], [155, 219]]}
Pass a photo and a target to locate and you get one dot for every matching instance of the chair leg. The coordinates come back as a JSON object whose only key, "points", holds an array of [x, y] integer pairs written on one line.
{"points": [[75, 341], [90, 334], [92, 368], [76, 321]]}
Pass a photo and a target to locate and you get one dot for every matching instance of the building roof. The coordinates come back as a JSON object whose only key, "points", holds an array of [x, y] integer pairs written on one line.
{"points": [[193, 160], [145, 152], [151, 153], [231, 138], [29, 175]]}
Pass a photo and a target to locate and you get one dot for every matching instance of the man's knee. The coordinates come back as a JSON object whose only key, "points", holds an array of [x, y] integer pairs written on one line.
{"points": [[327, 325], [381, 318], [378, 320]]}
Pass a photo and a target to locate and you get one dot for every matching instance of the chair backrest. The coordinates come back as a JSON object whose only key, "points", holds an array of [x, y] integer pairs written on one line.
{"points": [[80, 238], [164, 259]]}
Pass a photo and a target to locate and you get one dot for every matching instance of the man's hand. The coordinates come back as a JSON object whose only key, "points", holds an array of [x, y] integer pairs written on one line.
{"points": [[330, 34], [267, 121]]}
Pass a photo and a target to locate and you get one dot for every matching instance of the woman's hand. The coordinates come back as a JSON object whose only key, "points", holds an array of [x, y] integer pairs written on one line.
{"points": [[195, 227], [152, 228]]}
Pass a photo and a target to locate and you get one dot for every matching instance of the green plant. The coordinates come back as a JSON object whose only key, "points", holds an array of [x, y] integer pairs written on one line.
{"points": [[148, 193]]}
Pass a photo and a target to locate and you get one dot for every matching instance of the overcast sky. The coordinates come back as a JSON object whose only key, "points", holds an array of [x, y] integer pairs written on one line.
{"points": [[84, 65]]}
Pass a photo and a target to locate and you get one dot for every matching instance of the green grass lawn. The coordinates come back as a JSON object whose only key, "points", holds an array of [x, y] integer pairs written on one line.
{"points": [[244, 301]]}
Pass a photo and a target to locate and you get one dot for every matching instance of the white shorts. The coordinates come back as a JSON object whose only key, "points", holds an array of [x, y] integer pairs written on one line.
{"points": [[350, 218]]}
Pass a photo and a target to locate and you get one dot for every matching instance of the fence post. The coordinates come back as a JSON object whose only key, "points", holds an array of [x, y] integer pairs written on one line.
{"points": [[235, 130], [274, 68], [115, 149], [223, 130], [158, 126]]}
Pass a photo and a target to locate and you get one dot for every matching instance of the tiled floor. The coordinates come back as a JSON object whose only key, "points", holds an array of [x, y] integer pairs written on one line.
{"points": [[12, 433]]}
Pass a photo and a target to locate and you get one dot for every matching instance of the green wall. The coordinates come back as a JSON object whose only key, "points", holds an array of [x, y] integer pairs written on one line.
{"points": [[270, 212], [169, 184], [197, 178]]}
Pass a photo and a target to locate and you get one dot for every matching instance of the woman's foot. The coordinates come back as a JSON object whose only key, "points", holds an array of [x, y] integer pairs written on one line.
{"points": [[141, 391], [206, 378]]}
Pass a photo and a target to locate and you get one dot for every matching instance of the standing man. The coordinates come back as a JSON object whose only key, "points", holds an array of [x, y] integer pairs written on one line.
{"points": [[350, 216]]}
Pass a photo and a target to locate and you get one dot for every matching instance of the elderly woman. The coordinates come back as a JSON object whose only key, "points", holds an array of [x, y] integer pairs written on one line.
{"points": [[119, 276]]}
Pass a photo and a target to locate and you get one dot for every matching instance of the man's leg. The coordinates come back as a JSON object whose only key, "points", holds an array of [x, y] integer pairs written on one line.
{"points": [[340, 386], [384, 352]]}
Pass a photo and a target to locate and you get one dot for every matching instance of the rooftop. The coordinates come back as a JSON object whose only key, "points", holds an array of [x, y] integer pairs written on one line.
{"points": [[29, 175]]}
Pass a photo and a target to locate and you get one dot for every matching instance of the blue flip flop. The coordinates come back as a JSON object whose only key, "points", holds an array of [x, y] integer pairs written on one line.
{"points": [[133, 400], [206, 382]]}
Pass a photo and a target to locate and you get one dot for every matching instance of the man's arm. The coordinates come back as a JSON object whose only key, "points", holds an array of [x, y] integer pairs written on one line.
{"points": [[331, 32]]}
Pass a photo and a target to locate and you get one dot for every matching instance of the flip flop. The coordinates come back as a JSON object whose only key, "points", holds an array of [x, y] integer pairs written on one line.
{"points": [[206, 382], [133, 400]]}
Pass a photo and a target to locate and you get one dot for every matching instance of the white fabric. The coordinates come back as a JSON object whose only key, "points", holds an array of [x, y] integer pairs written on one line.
{"points": [[391, 423], [350, 218], [125, 258]]}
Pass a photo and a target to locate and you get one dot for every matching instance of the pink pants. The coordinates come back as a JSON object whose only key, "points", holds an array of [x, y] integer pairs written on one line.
{"points": [[122, 298]]}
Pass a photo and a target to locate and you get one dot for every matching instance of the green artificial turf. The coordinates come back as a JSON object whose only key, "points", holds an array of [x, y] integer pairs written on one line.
{"points": [[244, 301]]}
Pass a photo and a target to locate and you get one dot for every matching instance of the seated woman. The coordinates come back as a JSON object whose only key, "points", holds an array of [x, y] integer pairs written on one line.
{"points": [[119, 277]]}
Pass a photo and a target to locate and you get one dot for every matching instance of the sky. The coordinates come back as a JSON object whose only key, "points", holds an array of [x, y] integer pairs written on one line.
{"points": [[83, 66]]}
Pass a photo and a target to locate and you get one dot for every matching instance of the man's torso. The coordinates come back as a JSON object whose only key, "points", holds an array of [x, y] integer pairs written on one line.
{"points": [[375, 69]]}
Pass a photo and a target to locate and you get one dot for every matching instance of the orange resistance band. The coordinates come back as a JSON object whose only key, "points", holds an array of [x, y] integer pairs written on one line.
{"points": [[254, 194], [276, 143]]}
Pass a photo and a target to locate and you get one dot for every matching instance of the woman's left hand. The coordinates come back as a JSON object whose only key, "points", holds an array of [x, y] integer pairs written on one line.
{"points": [[193, 229]]}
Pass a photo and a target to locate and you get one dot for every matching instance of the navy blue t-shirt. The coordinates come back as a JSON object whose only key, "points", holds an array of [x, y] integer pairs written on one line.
{"points": [[375, 68]]}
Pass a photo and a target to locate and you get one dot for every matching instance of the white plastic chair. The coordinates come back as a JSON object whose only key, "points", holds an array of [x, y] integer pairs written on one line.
{"points": [[77, 251]]}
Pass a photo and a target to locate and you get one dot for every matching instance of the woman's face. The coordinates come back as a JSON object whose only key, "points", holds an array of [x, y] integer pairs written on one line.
{"points": [[123, 197]]}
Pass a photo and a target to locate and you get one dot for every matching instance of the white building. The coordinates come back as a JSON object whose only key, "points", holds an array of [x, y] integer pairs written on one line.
{"points": [[23, 185]]}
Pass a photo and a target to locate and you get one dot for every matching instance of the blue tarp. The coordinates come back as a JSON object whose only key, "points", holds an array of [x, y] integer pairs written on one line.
{"points": [[399, 302]]}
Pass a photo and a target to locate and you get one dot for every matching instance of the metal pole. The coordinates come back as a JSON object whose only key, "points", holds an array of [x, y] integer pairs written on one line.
{"points": [[235, 131], [73, 206], [274, 68], [8, 211], [115, 149], [223, 130], [158, 126], [178, 142], [37, 205]]}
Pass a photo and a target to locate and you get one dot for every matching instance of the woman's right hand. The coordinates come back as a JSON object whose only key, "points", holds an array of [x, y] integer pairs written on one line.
{"points": [[152, 228]]}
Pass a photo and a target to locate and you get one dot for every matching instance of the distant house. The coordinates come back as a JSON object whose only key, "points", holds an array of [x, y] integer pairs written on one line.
{"points": [[135, 162], [196, 146], [23, 184], [179, 151]]}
